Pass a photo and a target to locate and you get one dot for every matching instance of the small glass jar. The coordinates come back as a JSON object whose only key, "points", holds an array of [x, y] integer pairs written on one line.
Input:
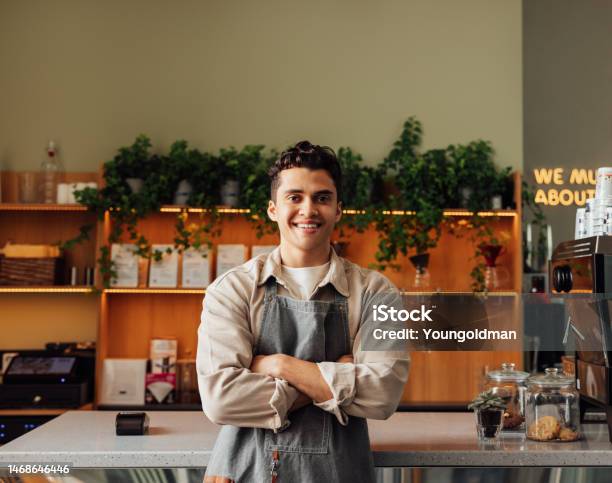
{"points": [[510, 385], [552, 408]]}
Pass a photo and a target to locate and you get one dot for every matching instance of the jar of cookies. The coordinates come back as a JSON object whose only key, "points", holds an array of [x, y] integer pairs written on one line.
{"points": [[552, 410], [510, 384]]}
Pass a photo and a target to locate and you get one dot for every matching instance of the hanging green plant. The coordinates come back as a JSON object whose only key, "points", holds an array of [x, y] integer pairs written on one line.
{"points": [[419, 181], [255, 194], [360, 183], [126, 202], [474, 180], [191, 169]]}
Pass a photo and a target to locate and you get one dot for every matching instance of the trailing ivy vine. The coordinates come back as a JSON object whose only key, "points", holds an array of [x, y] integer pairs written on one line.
{"points": [[417, 184]]}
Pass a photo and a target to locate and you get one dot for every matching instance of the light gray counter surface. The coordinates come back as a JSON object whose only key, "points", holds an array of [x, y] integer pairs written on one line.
{"points": [[86, 439]]}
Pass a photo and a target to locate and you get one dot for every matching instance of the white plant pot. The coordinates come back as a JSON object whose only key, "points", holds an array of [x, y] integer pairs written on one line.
{"points": [[182, 193], [230, 193], [135, 184]]}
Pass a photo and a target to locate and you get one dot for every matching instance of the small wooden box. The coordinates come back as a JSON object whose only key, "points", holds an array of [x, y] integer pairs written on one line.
{"points": [[31, 271]]}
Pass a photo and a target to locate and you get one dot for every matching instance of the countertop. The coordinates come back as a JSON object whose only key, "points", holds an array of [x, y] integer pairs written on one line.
{"points": [[86, 439]]}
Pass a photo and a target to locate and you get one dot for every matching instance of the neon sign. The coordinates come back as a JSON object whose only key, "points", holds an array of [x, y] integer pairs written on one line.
{"points": [[561, 195]]}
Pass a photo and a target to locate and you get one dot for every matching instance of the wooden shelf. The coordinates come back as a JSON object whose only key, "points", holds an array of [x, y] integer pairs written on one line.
{"points": [[454, 212], [501, 293], [191, 291], [146, 291], [49, 289], [43, 412], [41, 207]]}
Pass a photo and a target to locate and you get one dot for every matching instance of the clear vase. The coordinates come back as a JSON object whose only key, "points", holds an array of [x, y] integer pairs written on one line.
{"points": [[421, 277], [489, 422]]}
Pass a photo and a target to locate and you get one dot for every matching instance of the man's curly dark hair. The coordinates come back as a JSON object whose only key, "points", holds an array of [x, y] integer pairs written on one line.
{"points": [[306, 155]]}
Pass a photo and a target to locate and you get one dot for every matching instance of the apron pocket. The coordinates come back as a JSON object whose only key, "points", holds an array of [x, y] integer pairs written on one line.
{"points": [[308, 433]]}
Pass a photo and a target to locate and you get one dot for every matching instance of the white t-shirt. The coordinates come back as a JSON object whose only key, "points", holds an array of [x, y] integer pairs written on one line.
{"points": [[303, 280]]}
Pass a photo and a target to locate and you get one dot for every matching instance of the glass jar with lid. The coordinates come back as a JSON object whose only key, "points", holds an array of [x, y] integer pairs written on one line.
{"points": [[510, 384], [552, 410]]}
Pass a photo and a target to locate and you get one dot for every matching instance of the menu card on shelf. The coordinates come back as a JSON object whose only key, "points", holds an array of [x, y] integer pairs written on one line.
{"points": [[164, 272], [261, 249], [196, 268], [123, 382], [126, 265], [229, 256]]}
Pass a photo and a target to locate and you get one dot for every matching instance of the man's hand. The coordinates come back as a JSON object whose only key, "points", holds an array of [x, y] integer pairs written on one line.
{"points": [[346, 359], [268, 365]]}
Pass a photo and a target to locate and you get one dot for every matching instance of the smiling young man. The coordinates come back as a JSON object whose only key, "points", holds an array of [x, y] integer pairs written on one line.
{"points": [[280, 362]]}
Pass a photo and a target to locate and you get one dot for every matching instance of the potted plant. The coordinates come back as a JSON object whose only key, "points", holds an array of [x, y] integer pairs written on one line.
{"points": [[130, 163], [180, 164], [476, 180], [256, 187], [126, 204], [420, 199], [229, 167], [489, 411], [359, 184]]}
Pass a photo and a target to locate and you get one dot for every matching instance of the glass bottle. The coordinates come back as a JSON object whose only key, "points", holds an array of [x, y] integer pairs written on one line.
{"points": [[510, 385], [552, 411], [49, 175]]}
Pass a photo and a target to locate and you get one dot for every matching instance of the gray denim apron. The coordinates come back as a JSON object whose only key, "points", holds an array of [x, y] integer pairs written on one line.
{"points": [[315, 447]]}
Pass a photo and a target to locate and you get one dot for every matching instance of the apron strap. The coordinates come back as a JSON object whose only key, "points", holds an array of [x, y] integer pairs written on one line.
{"points": [[338, 297]]}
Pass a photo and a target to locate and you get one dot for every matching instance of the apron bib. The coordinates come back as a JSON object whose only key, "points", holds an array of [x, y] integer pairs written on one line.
{"points": [[315, 447]]}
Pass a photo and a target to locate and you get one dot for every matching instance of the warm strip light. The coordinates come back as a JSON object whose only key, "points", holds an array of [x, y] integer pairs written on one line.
{"points": [[480, 213], [398, 212], [40, 207], [46, 289], [482, 294], [177, 209], [155, 291]]}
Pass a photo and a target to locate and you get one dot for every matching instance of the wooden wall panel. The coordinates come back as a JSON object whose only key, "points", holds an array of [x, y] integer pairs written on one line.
{"points": [[135, 319], [49, 227]]}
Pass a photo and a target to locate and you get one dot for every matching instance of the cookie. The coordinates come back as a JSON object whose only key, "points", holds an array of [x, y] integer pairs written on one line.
{"points": [[545, 428], [566, 434]]}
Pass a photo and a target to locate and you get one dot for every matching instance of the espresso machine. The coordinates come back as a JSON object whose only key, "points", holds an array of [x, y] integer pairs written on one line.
{"points": [[583, 269]]}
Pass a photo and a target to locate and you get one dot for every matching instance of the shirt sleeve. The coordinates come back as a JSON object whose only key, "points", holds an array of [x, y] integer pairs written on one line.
{"points": [[372, 386], [230, 392]]}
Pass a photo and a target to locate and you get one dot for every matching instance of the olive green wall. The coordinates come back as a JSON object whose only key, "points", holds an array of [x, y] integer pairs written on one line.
{"points": [[92, 75]]}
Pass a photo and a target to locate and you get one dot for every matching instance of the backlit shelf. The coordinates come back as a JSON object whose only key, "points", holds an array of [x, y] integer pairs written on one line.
{"points": [[145, 290], [450, 212], [55, 289], [41, 207], [500, 293]]}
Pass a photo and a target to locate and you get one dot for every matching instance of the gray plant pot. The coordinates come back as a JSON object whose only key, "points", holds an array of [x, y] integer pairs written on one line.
{"points": [[183, 192], [496, 202], [230, 193], [135, 184], [466, 194]]}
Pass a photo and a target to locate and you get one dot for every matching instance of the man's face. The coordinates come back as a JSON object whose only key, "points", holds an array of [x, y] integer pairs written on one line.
{"points": [[306, 208]]}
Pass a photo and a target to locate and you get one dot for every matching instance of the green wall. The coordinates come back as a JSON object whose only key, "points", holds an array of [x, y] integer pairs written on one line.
{"points": [[92, 75]]}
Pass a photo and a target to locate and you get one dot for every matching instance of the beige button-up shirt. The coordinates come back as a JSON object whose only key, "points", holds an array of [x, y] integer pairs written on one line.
{"points": [[370, 387]]}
